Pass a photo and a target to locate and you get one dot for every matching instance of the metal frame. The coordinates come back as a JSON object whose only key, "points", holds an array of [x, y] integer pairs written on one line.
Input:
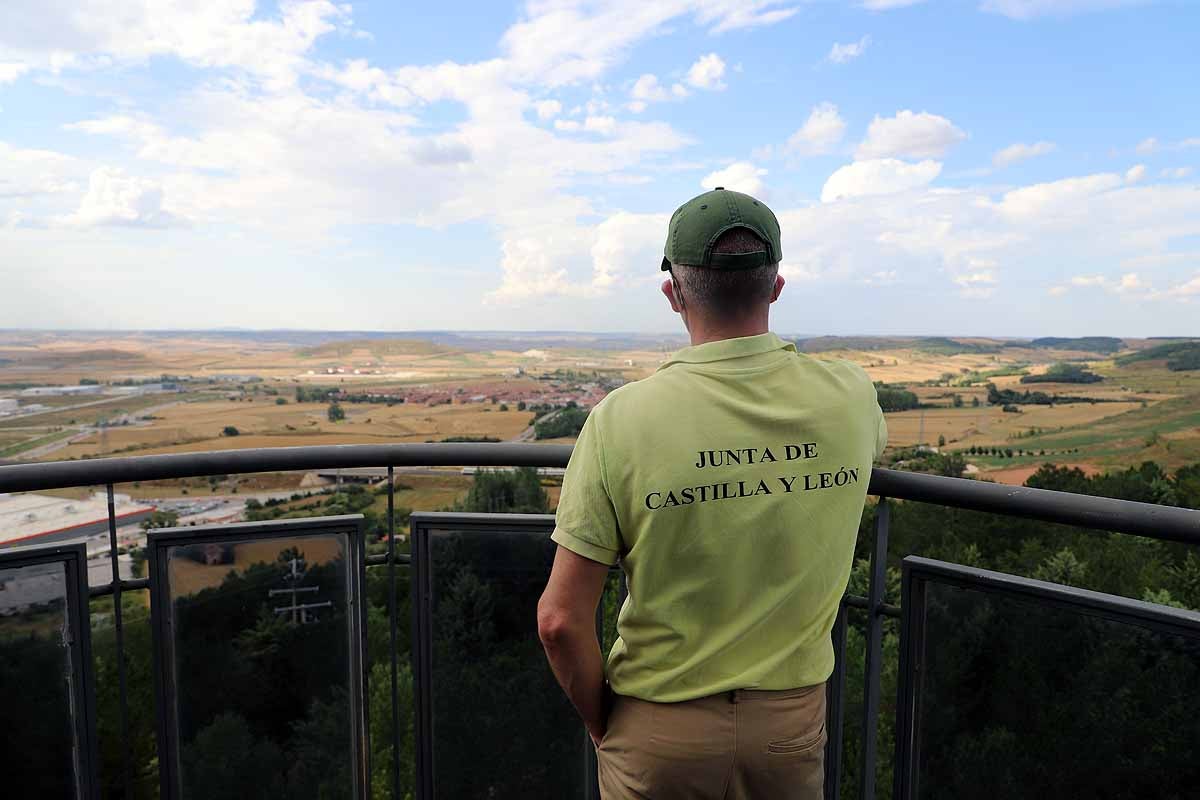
{"points": [[159, 541], [83, 701], [1141, 519], [422, 526], [1123, 516], [917, 573]]}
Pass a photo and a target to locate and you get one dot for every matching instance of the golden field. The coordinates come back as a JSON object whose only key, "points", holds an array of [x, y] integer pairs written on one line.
{"points": [[963, 427], [1152, 413], [191, 427]]}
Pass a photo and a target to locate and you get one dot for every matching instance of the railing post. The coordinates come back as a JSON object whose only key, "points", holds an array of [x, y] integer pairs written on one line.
{"points": [[391, 560], [119, 628], [835, 707], [871, 687]]}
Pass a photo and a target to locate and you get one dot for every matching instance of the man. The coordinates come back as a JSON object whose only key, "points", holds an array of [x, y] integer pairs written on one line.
{"points": [[729, 485]]}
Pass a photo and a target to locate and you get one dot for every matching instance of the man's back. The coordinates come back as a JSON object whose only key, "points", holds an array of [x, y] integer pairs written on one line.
{"points": [[730, 483]]}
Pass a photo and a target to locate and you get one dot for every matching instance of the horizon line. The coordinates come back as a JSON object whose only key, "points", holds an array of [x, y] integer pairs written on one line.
{"points": [[559, 332]]}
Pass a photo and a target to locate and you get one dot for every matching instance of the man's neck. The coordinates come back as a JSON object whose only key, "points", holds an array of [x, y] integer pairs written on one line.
{"points": [[703, 332]]}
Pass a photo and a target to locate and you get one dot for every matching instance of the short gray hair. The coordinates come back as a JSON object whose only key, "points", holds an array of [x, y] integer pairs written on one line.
{"points": [[728, 294]]}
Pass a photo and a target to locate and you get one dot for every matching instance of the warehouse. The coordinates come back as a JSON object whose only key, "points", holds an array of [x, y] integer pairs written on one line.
{"points": [[28, 519]]}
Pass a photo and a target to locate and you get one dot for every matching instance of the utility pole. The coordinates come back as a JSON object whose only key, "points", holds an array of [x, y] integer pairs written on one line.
{"points": [[299, 611]]}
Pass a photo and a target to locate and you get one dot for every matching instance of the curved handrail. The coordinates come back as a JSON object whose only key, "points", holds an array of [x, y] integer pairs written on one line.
{"points": [[1124, 516]]}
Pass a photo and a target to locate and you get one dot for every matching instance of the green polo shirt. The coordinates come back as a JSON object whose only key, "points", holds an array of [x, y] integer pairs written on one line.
{"points": [[729, 485]]}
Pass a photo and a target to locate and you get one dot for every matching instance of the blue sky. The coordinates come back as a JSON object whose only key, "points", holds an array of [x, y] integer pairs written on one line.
{"points": [[987, 167]]}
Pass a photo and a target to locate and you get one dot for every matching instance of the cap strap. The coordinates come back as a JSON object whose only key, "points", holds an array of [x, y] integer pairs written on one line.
{"points": [[736, 261]]}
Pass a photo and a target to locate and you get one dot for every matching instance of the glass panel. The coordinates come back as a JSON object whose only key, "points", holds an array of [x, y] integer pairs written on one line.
{"points": [[139, 693], [1021, 698], [502, 727], [40, 751], [1129, 566], [261, 667]]}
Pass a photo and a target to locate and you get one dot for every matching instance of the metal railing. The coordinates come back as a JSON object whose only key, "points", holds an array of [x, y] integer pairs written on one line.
{"points": [[1121, 516]]}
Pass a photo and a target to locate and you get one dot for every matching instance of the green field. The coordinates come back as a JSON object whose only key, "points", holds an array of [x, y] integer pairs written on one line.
{"points": [[1167, 432]]}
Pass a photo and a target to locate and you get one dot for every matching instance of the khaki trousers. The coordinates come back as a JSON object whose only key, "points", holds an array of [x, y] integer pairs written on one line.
{"points": [[733, 745]]}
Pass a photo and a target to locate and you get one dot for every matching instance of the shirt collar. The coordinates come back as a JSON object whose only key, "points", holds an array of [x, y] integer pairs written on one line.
{"points": [[724, 349]]}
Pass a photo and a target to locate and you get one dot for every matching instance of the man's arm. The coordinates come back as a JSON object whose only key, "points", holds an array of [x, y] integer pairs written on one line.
{"points": [[567, 627]]}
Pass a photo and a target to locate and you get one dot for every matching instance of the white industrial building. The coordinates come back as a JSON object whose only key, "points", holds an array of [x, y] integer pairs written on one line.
{"points": [[27, 519], [8, 405], [50, 391]]}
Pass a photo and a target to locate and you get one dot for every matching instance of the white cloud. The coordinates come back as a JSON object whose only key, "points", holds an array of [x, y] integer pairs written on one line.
{"points": [[1066, 197], [1177, 173], [625, 245], [11, 70], [114, 198], [648, 88], [1187, 143], [548, 109], [565, 41], [1146, 146], [976, 285], [1029, 9], [707, 72], [246, 151], [820, 133], [876, 177], [600, 124], [1020, 151], [1128, 283], [1135, 173], [886, 5], [1186, 290], [740, 176], [30, 176], [973, 278], [88, 34], [909, 134], [728, 15], [884, 277], [841, 53]]}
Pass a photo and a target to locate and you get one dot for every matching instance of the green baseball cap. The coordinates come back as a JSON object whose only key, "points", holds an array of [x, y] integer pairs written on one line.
{"points": [[697, 224]]}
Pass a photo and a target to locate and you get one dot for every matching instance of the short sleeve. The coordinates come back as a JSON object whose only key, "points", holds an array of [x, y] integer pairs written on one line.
{"points": [[881, 433], [586, 522], [881, 430]]}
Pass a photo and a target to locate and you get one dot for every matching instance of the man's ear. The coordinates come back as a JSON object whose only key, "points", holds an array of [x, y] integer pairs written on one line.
{"points": [[668, 290], [779, 284]]}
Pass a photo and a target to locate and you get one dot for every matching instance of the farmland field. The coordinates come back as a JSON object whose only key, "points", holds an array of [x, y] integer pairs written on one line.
{"points": [[989, 425], [191, 427], [250, 383]]}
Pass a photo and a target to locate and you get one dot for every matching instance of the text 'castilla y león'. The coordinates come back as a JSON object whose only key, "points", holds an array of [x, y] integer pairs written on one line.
{"points": [[748, 456]]}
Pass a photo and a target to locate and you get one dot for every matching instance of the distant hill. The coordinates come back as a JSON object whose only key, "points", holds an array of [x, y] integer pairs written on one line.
{"points": [[1180, 356], [59, 359], [1090, 344], [939, 345], [379, 348]]}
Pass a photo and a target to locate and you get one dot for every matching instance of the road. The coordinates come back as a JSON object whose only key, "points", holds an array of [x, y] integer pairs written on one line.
{"points": [[530, 433]]}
